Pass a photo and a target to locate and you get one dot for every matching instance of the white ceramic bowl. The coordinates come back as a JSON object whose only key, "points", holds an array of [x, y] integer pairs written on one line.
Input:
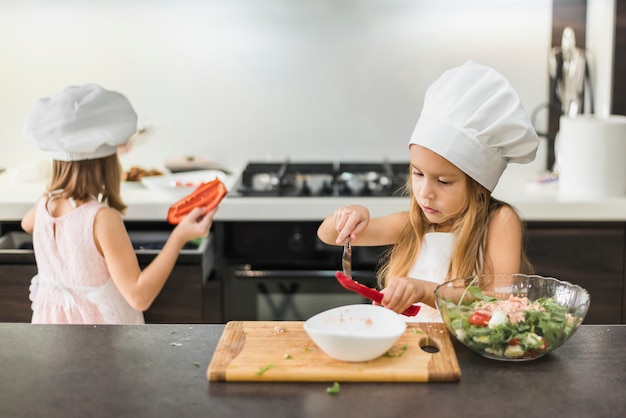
{"points": [[355, 332], [180, 185]]}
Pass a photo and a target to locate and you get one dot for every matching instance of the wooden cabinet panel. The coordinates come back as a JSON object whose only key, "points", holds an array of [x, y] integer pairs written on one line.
{"points": [[590, 255], [14, 282], [212, 304], [181, 299]]}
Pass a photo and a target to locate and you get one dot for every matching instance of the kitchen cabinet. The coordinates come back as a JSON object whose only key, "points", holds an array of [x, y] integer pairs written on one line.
{"points": [[182, 300], [191, 294], [17, 267], [591, 254], [14, 282], [188, 295], [185, 299], [588, 254]]}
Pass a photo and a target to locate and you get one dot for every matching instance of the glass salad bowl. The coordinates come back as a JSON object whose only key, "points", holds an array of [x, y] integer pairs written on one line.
{"points": [[513, 317]]}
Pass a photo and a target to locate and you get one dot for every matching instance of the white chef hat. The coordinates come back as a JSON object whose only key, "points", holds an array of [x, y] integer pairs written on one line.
{"points": [[473, 118], [81, 123]]}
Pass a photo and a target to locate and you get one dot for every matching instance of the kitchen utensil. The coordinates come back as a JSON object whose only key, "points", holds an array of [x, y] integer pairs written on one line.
{"points": [[370, 293], [347, 282], [359, 332], [262, 351], [346, 258], [568, 67]]}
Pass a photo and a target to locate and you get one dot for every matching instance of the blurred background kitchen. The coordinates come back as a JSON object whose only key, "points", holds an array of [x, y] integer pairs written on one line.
{"points": [[233, 80], [283, 82]]}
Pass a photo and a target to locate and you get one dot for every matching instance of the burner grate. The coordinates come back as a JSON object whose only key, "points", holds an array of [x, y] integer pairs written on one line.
{"points": [[300, 179]]}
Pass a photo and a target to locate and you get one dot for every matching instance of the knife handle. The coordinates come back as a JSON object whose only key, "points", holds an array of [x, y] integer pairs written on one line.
{"points": [[369, 293], [412, 310]]}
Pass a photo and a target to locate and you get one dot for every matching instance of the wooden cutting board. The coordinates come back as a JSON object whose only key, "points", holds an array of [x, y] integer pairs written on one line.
{"points": [[281, 351]]}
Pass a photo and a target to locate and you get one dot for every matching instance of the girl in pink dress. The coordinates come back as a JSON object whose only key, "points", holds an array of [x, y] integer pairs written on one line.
{"points": [[88, 272], [471, 127]]}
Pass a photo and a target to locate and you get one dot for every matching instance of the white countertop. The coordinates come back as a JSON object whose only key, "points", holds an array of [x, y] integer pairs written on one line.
{"points": [[534, 204]]}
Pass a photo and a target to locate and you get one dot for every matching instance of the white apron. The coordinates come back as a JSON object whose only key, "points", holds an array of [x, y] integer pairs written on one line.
{"points": [[432, 265]]}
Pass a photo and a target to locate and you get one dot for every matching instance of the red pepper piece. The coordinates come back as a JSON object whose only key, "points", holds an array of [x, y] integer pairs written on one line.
{"points": [[368, 292], [206, 195]]}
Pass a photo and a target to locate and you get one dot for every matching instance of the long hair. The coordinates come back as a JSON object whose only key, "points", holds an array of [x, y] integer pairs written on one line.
{"points": [[83, 180], [470, 230]]}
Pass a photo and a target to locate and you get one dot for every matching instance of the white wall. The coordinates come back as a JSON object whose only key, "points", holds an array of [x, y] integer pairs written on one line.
{"points": [[263, 79]]}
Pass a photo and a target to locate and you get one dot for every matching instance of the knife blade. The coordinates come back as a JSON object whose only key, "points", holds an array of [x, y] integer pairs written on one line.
{"points": [[346, 258]]}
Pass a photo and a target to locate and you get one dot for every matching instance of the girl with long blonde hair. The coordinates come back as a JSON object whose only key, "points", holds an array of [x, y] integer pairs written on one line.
{"points": [[471, 126]]}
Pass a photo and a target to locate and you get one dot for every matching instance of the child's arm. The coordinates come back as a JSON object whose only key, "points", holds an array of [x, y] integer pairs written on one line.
{"points": [[354, 221], [138, 287], [504, 243], [28, 221]]}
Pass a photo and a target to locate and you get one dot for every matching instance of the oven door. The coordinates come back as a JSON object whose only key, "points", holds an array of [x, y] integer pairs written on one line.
{"points": [[293, 295]]}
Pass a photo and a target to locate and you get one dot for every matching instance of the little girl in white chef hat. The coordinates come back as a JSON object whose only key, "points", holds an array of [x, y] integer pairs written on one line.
{"points": [[88, 272], [471, 126]]}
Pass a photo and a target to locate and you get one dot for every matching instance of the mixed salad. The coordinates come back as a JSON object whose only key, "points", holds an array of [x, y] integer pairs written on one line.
{"points": [[514, 328]]}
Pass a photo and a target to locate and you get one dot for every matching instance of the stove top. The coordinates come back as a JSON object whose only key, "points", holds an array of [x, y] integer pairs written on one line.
{"points": [[321, 179]]}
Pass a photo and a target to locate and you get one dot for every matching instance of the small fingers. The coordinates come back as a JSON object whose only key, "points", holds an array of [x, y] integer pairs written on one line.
{"points": [[346, 220], [397, 296]]}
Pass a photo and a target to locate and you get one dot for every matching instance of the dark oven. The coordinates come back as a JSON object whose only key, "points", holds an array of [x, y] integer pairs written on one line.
{"points": [[280, 270]]}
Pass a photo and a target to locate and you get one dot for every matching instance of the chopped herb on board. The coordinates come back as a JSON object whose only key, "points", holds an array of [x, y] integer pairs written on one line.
{"points": [[398, 354], [264, 369], [334, 389], [196, 363]]}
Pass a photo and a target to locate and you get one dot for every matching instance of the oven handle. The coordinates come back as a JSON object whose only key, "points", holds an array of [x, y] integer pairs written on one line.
{"points": [[298, 274]]}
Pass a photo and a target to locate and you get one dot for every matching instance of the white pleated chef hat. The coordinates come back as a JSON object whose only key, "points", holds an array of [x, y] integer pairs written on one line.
{"points": [[81, 123], [473, 118]]}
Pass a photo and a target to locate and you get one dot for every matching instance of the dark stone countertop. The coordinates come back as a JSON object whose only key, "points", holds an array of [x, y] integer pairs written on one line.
{"points": [[160, 371]]}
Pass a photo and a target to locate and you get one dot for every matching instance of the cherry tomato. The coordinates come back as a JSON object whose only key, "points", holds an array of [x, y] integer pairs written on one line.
{"points": [[480, 319]]}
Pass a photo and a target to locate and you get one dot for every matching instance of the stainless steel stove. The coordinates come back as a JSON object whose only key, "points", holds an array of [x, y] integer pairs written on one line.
{"points": [[321, 179], [280, 270]]}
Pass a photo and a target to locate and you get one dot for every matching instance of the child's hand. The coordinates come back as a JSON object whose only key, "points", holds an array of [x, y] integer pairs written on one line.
{"points": [[349, 221], [195, 225], [402, 292]]}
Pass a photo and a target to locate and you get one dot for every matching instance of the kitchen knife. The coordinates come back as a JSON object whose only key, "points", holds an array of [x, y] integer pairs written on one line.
{"points": [[370, 293], [346, 281]]}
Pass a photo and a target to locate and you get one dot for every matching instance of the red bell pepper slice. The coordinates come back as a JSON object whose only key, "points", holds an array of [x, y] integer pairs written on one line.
{"points": [[368, 292], [206, 195]]}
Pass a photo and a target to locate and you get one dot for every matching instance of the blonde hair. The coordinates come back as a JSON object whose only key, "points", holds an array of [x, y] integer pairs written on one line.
{"points": [[86, 179], [470, 229]]}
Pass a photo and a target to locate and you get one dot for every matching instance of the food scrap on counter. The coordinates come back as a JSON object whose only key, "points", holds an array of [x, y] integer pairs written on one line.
{"points": [[136, 173]]}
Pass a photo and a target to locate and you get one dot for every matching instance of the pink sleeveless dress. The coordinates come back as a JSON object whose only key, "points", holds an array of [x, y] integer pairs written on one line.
{"points": [[73, 284]]}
